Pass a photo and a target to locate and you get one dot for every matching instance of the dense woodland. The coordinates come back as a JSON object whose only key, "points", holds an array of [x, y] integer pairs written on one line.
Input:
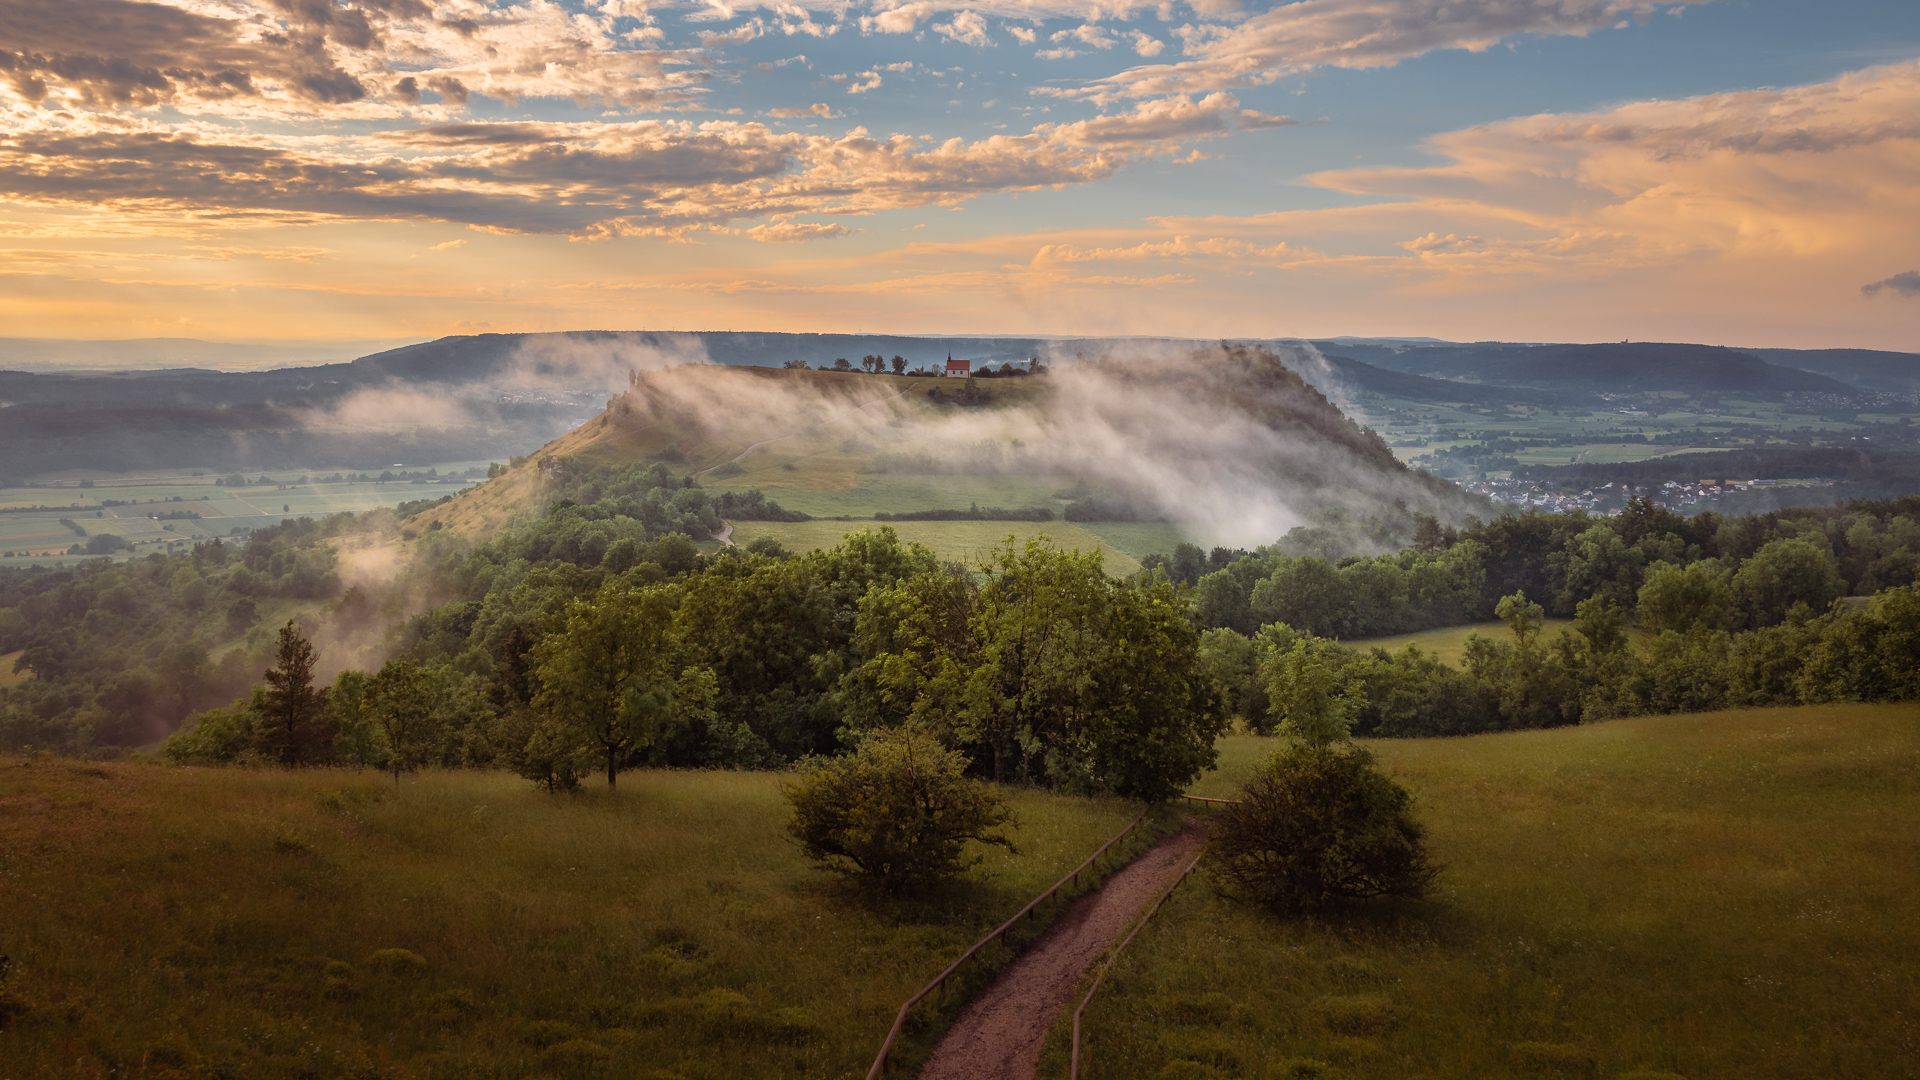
{"points": [[594, 637]]}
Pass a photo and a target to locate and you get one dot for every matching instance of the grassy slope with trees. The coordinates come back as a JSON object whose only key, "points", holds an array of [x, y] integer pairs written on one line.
{"points": [[1711, 897]]}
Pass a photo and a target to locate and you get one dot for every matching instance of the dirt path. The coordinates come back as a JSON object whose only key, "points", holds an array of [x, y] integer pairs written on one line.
{"points": [[725, 535], [999, 1034]]}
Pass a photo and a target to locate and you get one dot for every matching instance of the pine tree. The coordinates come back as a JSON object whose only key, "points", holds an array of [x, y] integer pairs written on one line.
{"points": [[294, 721]]}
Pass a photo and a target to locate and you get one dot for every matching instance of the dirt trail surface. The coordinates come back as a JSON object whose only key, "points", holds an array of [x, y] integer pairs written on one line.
{"points": [[999, 1034]]}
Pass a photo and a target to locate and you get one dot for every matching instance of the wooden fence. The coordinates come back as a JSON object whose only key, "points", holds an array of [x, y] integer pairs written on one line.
{"points": [[1073, 1066], [1072, 878]]}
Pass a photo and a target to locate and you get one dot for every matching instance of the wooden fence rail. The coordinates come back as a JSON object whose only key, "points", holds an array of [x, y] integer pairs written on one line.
{"points": [[899, 1021], [1073, 1066]]}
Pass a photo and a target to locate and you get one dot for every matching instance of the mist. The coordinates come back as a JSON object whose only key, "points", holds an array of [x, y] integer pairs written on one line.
{"points": [[1198, 437]]}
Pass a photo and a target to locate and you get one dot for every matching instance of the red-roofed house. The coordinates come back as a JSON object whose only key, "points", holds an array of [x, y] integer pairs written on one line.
{"points": [[958, 369]]}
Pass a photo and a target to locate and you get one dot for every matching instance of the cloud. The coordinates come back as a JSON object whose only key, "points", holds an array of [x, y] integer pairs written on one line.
{"points": [[1021, 34], [586, 179], [1906, 283], [741, 34], [1146, 44], [1180, 247], [795, 232], [1295, 37], [900, 20], [1166, 120], [296, 59], [448, 246], [1087, 34], [821, 110], [867, 80], [1795, 173], [967, 28]]}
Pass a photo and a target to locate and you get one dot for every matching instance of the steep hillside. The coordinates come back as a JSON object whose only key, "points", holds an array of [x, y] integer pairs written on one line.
{"points": [[1230, 443], [1619, 367], [1868, 369]]}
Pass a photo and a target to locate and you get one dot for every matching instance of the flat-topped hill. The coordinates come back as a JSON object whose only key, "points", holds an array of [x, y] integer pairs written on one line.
{"points": [[1228, 442]]}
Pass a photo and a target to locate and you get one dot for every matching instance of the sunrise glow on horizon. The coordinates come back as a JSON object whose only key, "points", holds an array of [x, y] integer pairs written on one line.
{"points": [[1740, 172]]}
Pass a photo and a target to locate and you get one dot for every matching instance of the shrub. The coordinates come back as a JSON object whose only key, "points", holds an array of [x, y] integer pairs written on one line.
{"points": [[397, 961], [793, 1024], [577, 1056], [1317, 824], [545, 1033], [1359, 1014], [1551, 1057], [1306, 1069], [215, 737], [899, 811]]}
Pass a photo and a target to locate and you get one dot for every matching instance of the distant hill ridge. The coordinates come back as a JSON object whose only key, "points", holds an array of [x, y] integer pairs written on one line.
{"points": [[1625, 367]]}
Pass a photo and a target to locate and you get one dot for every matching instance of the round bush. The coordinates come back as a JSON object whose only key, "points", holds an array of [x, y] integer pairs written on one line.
{"points": [[1320, 824], [898, 811]]}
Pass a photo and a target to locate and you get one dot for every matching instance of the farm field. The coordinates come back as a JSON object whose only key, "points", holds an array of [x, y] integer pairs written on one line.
{"points": [[230, 922], [1731, 896], [31, 526], [816, 494], [1449, 643], [967, 542], [8, 676]]}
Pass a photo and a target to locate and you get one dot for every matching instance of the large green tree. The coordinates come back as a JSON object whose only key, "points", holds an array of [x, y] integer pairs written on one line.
{"points": [[606, 673], [399, 699], [1039, 624]]}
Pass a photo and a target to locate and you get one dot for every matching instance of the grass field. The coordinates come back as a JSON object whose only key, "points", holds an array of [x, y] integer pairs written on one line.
{"points": [[8, 676], [1449, 643], [234, 923], [38, 535], [821, 495], [967, 542], [1733, 896]]}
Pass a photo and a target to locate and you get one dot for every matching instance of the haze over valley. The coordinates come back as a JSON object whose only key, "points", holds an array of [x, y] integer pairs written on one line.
{"points": [[1204, 540]]}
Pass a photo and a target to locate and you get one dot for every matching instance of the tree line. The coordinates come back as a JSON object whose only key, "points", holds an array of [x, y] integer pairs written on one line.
{"points": [[1729, 612], [1043, 668]]}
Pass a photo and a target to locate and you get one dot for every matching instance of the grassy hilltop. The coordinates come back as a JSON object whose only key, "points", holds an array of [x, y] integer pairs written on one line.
{"points": [[1137, 439], [1721, 896]]}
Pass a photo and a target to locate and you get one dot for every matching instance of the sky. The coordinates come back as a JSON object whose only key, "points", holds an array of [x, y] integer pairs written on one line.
{"points": [[1738, 172]]}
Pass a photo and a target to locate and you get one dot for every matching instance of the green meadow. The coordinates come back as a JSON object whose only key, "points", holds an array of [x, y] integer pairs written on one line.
{"points": [[1449, 643], [30, 517], [970, 542], [1718, 897], [1734, 895], [259, 923]]}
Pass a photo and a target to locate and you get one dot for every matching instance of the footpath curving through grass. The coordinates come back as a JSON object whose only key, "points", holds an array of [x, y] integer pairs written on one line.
{"points": [[1731, 896], [264, 924]]}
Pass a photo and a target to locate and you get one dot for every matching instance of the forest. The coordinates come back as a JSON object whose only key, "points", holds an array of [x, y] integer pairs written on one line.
{"points": [[1038, 663]]}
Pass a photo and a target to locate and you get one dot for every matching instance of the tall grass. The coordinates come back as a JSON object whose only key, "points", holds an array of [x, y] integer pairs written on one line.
{"points": [[1722, 897], [257, 923]]}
